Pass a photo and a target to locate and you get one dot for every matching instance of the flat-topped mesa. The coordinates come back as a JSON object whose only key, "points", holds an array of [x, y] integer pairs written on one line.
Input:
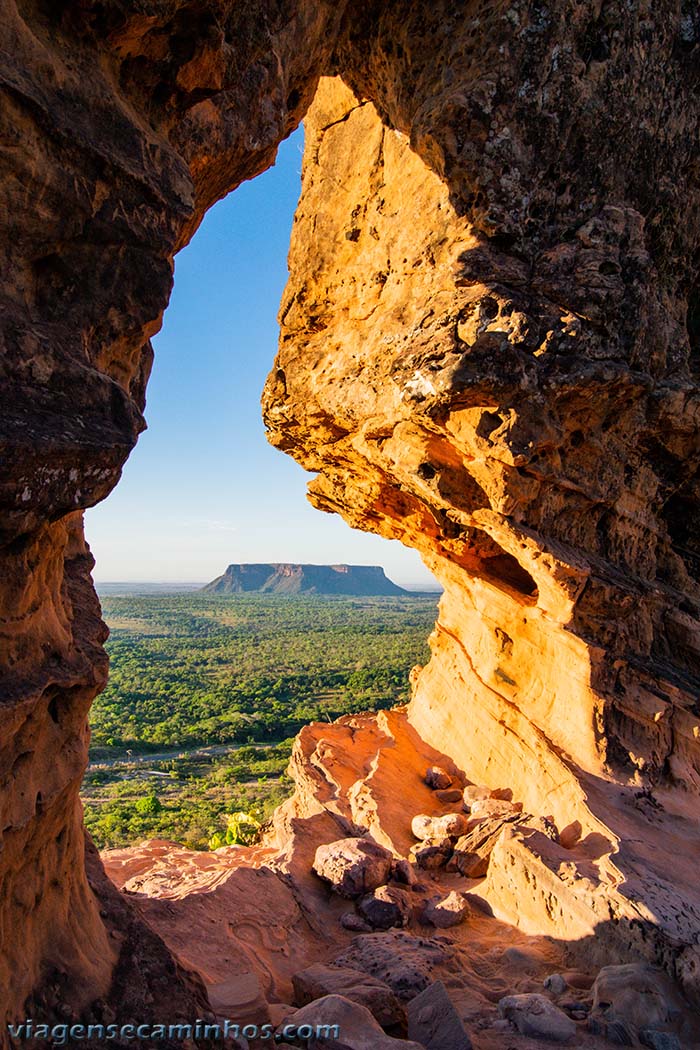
{"points": [[288, 578], [490, 350]]}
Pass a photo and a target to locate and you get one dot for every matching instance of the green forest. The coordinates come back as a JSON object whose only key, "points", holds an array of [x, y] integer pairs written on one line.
{"points": [[206, 694]]}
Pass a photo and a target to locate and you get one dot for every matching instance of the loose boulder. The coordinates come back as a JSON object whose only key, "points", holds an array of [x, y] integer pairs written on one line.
{"points": [[636, 993], [444, 912], [353, 922], [535, 1016], [570, 835], [403, 872], [472, 793], [422, 826], [350, 1026], [353, 866], [434, 1023], [449, 795], [437, 778], [450, 825], [433, 853], [555, 983], [494, 807], [385, 907], [319, 980]]}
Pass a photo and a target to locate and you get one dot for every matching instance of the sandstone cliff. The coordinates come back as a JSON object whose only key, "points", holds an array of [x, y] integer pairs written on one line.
{"points": [[489, 350]]}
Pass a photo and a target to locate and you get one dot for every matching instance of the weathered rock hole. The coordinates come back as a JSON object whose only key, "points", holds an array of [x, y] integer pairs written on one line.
{"points": [[507, 569]]}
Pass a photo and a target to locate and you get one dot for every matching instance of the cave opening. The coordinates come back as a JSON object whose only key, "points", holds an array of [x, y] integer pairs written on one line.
{"points": [[122, 113], [201, 699]]}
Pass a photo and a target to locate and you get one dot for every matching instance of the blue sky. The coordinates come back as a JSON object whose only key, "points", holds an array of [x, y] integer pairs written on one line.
{"points": [[203, 488]]}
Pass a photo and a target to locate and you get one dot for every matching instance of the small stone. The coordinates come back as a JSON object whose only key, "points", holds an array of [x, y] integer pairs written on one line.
{"points": [[570, 835], [386, 907], [534, 1015], [451, 824], [555, 983], [434, 1023], [419, 887], [433, 853], [449, 795], [503, 794], [352, 921], [353, 866], [402, 871], [446, 826], [659, 1040], [472, 793], [493, 807], [422, 826], [437, 777], [444, 912]]}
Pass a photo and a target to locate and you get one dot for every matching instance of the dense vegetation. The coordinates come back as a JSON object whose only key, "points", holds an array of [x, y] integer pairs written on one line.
{"points": [[206, 693]]}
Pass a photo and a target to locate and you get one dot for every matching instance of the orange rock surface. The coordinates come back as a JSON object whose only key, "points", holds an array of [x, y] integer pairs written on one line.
{"points": [[489, 350]]}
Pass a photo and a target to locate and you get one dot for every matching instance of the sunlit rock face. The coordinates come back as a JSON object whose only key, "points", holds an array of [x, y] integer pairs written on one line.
{"points": [[490, 346], [487, 352], [515, 398]]}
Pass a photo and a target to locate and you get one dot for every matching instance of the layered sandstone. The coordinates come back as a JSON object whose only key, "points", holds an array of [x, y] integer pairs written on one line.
{"points": [[496, 401], [365, 775], [489, 350]]}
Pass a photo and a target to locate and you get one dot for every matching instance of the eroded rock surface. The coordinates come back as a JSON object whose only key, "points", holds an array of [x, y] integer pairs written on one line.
{"points": [[287, 920], [490, 350]]}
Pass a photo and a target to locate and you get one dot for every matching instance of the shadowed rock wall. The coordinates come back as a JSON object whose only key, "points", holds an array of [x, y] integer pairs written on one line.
{"points": [[489, 350], [119, 125]]}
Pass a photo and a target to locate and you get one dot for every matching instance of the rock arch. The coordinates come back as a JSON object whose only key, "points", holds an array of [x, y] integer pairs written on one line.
{"points": [[517, 324]]}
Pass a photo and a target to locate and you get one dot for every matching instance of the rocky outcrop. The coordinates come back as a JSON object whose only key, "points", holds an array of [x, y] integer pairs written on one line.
{"points": [[289, 924], [304, 579], [489, 350], [500, 416]]}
